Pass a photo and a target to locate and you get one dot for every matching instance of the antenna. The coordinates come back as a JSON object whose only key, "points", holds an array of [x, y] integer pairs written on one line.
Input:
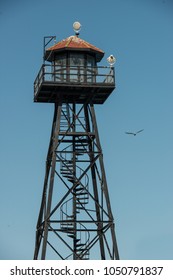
{"points": [[47, 40]]}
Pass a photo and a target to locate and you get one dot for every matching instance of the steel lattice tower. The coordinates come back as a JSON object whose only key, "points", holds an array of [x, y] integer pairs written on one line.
{"points": [[75, 219]]}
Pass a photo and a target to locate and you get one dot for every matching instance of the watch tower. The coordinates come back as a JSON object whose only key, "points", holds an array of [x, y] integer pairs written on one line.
{"points": [[75, 219]]}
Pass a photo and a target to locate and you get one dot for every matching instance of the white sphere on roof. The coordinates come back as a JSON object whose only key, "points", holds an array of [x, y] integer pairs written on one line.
{"points": [[76, 26]]}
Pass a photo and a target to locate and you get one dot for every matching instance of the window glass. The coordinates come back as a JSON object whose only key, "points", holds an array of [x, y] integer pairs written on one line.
{"points": [[91, 69], [76, 67], [60, 68]]}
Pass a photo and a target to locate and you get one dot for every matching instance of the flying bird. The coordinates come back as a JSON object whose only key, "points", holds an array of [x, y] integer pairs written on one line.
{"points": [[134, 133]]}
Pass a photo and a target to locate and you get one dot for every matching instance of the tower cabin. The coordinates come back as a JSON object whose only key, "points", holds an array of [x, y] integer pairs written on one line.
{"points": [[70, 74]]}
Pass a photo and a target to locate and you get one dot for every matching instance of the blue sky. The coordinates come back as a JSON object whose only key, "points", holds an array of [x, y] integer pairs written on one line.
{"points": [[139, 169]]}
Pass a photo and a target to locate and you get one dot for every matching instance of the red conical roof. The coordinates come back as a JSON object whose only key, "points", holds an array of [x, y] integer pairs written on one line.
{"points": [[73, 43]]}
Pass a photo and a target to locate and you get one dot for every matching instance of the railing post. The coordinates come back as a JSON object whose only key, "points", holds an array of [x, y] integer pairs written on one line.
{"points": [[113, 73], [43, 72]]}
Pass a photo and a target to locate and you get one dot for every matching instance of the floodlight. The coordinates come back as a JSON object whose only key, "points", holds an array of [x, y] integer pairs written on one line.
{"points": [[111, 60]]}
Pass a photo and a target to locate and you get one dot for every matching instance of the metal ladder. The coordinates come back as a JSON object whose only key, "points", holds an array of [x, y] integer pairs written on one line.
{"points": [[65, 117]]}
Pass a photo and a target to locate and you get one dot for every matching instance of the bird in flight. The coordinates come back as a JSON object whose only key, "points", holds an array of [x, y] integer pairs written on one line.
{"points": [[134, 133]]}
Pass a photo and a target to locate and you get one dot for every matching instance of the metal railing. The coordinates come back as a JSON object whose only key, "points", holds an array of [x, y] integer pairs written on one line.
{"points": [[101, 75]]}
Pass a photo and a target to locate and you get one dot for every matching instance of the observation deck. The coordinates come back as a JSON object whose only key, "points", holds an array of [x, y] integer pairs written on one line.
{"points": [[74, 84]]}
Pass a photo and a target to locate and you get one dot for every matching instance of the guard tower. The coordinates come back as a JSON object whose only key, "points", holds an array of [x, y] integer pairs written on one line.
{"points": [[75, 219]]}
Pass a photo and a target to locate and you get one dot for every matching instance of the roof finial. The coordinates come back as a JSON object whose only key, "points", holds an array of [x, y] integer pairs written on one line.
{"points": [[76, 27]]}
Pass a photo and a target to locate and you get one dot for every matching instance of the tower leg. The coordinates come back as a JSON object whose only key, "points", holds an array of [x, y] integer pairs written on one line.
{"points": [[42, 224], [115, 254], [95, 188]]}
